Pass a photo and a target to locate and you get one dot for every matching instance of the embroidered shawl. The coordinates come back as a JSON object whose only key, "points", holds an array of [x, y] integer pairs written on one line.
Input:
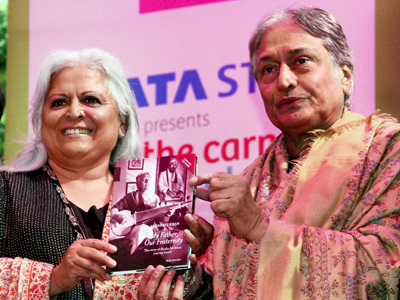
{"points": [[334, 230]]}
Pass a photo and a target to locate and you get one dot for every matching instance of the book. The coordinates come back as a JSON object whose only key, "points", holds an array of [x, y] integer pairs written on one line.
{"points": [[150, 199]]}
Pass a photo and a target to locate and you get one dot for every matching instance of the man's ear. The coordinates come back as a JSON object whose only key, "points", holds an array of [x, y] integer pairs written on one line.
{"points": [[347, 79]]}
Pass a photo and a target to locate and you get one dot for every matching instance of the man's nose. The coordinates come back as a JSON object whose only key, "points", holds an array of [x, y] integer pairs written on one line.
{"points": [[286, 78]]}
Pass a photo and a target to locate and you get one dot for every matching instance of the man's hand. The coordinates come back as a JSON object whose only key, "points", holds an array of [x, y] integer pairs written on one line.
{"points": [[231, 198], [171, 193], [83, 259], [201, 234]]}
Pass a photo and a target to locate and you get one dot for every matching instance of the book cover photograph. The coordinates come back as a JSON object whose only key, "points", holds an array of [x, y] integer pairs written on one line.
{"points": [[150, 199]]}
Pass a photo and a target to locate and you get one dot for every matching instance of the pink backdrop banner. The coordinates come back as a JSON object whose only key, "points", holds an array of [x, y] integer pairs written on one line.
{"points": [[189, 68], [147, 6]]}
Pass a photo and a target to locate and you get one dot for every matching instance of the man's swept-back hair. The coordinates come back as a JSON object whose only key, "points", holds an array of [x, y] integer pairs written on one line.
{"points": [[34, 155], [142, 175], [319, 23]]}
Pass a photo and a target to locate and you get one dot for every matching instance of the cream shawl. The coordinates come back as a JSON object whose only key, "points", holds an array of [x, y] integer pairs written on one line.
{"points": [[334, 219]]}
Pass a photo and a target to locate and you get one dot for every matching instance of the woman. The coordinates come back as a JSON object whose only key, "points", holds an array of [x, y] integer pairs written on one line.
{"points": [[54, 198]]}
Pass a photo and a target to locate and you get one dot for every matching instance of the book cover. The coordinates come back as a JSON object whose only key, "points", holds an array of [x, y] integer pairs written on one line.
{"points": [[150, 199]]}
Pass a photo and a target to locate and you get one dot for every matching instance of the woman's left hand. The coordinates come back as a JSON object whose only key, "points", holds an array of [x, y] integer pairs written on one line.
{"points": [[156, 284]]}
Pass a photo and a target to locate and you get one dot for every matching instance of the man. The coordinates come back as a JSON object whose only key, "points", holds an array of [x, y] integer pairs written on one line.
{"points": [[123, 221], [140, 199], [127, 235], [317, 215], [171, 183]]}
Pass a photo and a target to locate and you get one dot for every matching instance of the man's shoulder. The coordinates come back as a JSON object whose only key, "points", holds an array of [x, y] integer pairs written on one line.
{"points": [[130, 195], [385, 124], [133, 193]]}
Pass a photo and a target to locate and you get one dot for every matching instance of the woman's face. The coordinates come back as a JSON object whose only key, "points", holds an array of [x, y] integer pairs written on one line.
{"points": [[80, 122]]}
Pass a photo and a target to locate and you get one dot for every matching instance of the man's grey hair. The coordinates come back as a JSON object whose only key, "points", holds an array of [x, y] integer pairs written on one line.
{"points": [[34, 155], [319, 23], [142, 175]]}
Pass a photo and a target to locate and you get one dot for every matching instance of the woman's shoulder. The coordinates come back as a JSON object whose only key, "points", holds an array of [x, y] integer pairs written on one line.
{"points": [[14, 177], [17, 186]]}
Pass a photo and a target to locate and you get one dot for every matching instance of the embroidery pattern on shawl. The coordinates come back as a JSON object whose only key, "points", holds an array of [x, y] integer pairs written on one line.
{"points": [[355, 242]]}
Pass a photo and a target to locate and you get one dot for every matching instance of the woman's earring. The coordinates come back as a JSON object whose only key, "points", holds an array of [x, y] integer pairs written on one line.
{"points": [[121, 134]]}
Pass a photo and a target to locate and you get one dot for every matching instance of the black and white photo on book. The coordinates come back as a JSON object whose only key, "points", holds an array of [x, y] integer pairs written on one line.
{"points": [[150, 199]]}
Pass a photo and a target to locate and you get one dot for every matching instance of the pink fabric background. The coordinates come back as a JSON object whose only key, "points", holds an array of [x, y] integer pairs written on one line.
{"points": [[203, 39], [147, 6]]}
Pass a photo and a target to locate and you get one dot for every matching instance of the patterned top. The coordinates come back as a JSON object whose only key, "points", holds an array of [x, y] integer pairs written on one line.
{"points": [[334, 229], [35, 235]]}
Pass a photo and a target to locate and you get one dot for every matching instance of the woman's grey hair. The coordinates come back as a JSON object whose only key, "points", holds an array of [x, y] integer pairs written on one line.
{"points": [[34, 155], [318, 23]]}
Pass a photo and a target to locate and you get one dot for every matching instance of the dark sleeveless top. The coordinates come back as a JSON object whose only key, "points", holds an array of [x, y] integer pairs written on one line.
{"points": [[92, 221]]}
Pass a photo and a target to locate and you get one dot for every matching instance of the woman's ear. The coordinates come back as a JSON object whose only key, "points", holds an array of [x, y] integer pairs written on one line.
{"points": [[121, 130]]}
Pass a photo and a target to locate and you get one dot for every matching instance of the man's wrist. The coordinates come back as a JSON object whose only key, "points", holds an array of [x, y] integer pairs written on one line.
{"points": [[258, 231]]}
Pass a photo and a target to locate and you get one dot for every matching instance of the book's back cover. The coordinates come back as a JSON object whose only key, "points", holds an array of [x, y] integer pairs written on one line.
{"points": [[150, 199]]}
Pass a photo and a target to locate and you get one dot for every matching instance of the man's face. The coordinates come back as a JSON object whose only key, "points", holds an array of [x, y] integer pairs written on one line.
{"points": [[301, 87], [143, 183], [173, 164]]}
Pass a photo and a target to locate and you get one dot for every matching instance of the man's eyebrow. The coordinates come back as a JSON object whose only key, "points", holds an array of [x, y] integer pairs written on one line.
{"points": [[294, 52], [290, 53]]}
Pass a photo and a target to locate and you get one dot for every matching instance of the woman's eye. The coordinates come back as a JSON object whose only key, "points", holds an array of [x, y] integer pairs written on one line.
{"points": [[58, 102], [91, 100]]}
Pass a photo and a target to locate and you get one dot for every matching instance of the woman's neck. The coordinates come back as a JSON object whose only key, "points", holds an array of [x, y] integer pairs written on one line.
{"points": [[85, 187]]}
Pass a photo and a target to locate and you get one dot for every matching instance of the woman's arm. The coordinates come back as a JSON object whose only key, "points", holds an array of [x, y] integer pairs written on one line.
{"points": [[21, 278]]}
